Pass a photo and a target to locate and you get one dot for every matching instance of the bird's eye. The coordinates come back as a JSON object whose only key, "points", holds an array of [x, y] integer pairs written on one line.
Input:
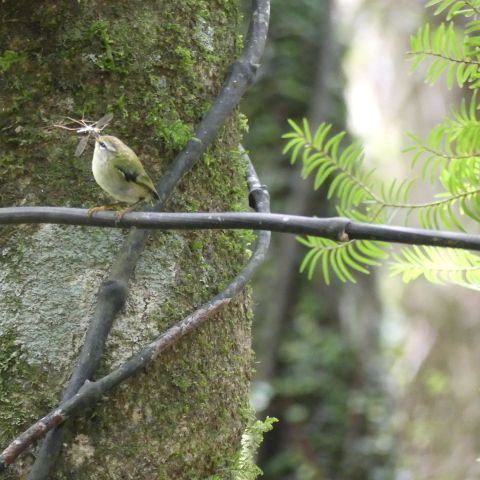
{"points": [[102, 145]]}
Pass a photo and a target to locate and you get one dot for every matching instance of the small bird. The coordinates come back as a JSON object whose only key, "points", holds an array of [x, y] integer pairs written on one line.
{"points": [[117, 169]]}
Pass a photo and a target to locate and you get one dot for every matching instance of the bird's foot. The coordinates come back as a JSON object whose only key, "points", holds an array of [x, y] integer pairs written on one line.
{"points": [[93, 210], [119, 215], [102, 208]]}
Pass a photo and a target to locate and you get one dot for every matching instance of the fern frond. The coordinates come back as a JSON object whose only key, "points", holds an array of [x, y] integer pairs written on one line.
{"points": [[244, 467], [446, 212], [442, 213], [372, 214], [457, 56], [450, 155], [349, 182], [454, 8], [436, 161], [452, 147], [397, 193], [438, 265], [461, 178], [341, 259], [357, 193]]}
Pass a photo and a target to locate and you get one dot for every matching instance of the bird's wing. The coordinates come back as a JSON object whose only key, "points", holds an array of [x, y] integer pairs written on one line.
{"points": [[137, 175], [144, 179]]}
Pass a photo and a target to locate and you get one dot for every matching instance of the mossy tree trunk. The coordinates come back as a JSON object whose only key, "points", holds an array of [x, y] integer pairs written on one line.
{"points": [[157, 65]]}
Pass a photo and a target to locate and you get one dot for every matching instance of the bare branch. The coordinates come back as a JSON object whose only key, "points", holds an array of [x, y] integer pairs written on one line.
{"points": [[335, 228]]}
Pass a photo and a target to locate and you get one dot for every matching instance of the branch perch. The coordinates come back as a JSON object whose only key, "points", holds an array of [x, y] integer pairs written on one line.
{"points": [[334, 228]]}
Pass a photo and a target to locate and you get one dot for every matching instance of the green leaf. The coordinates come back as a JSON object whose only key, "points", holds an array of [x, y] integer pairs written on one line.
{"points": [[295, 127]]}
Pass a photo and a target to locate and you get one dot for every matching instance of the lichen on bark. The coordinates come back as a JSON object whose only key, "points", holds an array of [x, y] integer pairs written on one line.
{"points": [[157, 66]]}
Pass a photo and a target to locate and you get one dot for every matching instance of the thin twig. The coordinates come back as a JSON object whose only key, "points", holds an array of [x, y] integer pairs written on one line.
{"points": [[334, 228], [91, 392]]}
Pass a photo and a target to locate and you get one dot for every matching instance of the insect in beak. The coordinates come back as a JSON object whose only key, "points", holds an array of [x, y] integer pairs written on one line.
{"points": [[88, 127]]}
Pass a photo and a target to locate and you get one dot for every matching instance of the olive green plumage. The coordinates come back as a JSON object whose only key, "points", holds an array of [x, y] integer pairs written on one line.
{"points": [[117, 169]]}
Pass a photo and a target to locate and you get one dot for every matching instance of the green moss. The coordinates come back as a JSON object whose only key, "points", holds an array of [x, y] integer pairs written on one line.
{"points": [[175, 134], [121, 105], [115, 54], [9, 58], [11, 167], [185, 59], [243, 123], [16, 380]]}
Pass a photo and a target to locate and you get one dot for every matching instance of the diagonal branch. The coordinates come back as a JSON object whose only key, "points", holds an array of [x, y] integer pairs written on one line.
{"points": [[91, 392]]}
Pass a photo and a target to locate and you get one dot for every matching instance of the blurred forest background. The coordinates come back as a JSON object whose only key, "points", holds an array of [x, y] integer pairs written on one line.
{"points": [[375, 380]]}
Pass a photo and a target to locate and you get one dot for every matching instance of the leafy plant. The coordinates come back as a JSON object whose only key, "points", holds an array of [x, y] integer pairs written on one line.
{"points": [[244, 467], [450, 157]]}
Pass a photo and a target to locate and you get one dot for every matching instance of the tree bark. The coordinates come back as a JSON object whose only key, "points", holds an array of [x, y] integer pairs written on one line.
{"points": [[157, 66]]}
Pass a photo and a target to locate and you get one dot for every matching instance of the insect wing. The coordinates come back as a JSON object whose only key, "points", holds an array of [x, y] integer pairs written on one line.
{"points": [[104, 121], [81, 146]]}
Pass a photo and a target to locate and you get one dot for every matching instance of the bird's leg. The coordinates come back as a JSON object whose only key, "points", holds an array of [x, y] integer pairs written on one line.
{"points": [[121, 213], [102, 208]]}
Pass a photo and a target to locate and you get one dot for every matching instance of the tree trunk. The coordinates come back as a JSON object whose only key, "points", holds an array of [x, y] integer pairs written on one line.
{"points": [[157, 66]]}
